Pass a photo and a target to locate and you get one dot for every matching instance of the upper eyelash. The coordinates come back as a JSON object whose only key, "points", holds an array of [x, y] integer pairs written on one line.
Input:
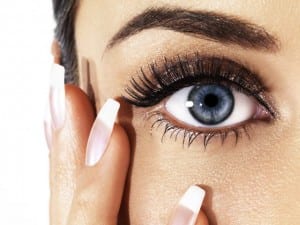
{"points": [[181, 72]]}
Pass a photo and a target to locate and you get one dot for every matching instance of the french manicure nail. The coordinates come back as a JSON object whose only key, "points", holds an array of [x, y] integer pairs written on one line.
{"points": [[48, 127], [101, 132], [57, 96], [189, 206]]}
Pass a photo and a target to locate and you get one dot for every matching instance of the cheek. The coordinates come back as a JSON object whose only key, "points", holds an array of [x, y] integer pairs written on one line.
{"points": [[246, 184], [255, 182]]}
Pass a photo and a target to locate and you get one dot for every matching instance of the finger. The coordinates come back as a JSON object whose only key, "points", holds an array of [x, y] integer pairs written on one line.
{"points": [[187, 212], [56, 51], [100, 188], [68, 151], [202, 219]]}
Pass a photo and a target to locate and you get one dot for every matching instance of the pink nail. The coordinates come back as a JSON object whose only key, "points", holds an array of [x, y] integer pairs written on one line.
{"points": [[189, 206], [48, 127], [57, 96], [101, 132]]}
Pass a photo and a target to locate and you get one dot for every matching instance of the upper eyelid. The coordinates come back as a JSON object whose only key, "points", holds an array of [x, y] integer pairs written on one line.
{"points": [[168, 71], [165, 73], [188, 65]]}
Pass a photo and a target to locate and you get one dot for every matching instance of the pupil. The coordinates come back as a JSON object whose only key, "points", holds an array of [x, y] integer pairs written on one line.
{"points": [[211, 103], [211, 100]]}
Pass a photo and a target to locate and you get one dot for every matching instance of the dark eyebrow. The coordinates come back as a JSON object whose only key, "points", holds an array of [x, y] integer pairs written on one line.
{"points": [[208, 25]]}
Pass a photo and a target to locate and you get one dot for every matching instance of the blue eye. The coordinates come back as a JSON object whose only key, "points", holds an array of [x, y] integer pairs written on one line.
{"points": [[210, 104], [200, 96]]}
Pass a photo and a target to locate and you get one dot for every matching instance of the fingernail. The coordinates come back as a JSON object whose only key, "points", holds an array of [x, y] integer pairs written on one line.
{"points": [[101, 132], [188, 207], [48, 127], [57, 96]]}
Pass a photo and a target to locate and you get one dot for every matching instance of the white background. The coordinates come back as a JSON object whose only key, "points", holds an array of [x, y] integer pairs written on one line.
{"points": [[26, 28]]}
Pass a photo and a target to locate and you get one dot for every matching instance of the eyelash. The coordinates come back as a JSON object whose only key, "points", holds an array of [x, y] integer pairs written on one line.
{"points": [[171, 75], [189, 135]]}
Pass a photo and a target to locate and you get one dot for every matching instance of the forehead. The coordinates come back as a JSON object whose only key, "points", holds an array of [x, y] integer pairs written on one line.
{"points": [[98, 21]]}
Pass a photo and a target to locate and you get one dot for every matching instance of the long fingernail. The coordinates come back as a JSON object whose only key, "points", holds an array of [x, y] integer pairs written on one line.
{"points": [[188, 207], [101, 132], [48, 127], [57, 96]]}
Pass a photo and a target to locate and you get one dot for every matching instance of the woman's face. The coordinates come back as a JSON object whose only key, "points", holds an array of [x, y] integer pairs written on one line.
{"points": [[246, 96]]}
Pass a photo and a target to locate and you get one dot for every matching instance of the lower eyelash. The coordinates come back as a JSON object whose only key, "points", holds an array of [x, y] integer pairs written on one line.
{"points": [[189, 136]]}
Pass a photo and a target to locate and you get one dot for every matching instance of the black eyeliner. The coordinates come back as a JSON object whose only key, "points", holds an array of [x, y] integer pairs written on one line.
{"points": [[172, 74]]}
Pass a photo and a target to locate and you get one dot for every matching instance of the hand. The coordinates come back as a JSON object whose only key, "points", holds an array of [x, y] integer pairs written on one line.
{"points": [[87, 180]]}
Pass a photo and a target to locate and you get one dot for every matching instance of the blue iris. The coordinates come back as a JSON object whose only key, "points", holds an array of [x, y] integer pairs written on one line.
{"points": [[211, 103]]}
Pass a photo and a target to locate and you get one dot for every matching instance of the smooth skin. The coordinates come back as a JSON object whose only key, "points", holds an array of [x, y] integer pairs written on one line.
{"points": [[254, 182], [80, 194]]}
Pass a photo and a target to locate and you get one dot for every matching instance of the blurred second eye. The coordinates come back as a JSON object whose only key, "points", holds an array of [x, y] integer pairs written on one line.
{"points": [[212, 105]]}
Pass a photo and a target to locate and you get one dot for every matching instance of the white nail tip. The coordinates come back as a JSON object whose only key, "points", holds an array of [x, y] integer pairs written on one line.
{"points": [[57, 75], [101, 132], [57, 96], [193, 199], [109, 112]]}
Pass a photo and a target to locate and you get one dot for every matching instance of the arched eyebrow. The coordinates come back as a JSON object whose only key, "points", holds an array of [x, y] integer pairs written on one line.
{"points": [[206, 25]]}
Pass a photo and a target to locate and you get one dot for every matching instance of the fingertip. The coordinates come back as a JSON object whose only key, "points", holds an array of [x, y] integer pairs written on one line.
{"points": [[80, 111], [72, 138], [100, 188], [68, 150], [120, 140], [188, 210], [116, 159], [202, 219], [78, 98], [101, 132]]}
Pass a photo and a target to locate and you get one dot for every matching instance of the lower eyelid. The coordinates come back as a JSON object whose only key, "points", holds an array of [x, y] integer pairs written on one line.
{"points": [[159, 119], [171, 129]]}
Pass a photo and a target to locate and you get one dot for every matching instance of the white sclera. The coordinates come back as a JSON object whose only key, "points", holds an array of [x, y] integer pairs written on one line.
{"points": [[244, 108]]}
